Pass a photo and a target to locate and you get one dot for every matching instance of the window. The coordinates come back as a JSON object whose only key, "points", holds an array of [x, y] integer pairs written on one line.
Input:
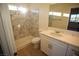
{"points": [[74, 18]]}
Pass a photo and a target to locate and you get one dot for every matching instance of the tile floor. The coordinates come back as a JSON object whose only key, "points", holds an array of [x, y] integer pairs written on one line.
{"points": [[30, 51], [21, 43]]}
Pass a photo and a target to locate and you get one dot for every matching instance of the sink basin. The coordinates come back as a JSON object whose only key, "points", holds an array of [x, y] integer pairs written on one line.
{"points": [[56, 33]]}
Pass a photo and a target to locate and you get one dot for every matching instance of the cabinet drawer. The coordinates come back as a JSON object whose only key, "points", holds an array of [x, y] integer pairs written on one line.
{"points": [[44, 37], [56, 48], [57, 42]]}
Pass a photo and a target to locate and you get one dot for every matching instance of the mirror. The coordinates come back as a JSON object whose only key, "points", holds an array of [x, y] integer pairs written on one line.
{"points": [[59, 14]]}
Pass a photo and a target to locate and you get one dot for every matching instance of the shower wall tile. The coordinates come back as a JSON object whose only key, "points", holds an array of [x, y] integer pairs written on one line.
{"points": [[25, 25], [35, 24]]}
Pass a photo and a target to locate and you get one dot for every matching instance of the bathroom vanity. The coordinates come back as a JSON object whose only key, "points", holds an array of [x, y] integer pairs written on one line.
{"points": [[59, 43]]}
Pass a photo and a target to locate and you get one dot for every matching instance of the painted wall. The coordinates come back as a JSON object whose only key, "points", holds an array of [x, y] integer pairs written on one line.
{"points": [[61, 21], [43, 15]]}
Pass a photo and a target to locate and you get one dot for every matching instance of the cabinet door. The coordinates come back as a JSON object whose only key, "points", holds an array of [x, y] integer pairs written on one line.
{"points": [[56, 48], [44, 43], [72, 51]]}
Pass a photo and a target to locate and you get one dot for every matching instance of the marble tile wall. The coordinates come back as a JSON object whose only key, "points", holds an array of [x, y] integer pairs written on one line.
{"points": [[25, 25]]}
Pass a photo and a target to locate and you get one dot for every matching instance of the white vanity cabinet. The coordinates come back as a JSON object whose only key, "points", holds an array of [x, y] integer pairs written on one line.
{"points": [[44, 43], [56, 48], [59, 43], [52, 47], [72, 51]]}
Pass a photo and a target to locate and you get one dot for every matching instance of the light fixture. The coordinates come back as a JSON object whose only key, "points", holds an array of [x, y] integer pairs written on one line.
{"points": [[22, 10], [18, 25], [56, 13], [12, 7], [50, 13], [65, 14]]}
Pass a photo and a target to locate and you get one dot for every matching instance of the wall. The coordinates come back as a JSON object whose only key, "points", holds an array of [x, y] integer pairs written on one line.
{"points": [[43, 15], [31, 23], [25, 24], [61, 21]]}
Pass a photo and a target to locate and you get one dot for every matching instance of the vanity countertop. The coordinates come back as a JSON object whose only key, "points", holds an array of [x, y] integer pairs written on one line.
{"points": [[67, 37]]}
